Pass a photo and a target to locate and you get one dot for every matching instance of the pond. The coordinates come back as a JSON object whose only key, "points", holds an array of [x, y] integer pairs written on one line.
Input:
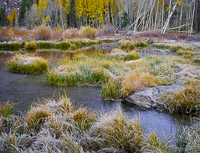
{"points": [[25, 90]]}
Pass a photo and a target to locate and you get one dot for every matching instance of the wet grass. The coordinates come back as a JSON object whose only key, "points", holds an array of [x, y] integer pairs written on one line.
{"points": [[55, 126], [27, 65]]}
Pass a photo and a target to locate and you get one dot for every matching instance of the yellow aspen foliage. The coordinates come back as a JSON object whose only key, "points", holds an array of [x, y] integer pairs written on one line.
{"points": [[168, 9], [95, 9], [12, 17], [160, 3], [40, 8], [121, 7], [180, 3], [48, 18]]}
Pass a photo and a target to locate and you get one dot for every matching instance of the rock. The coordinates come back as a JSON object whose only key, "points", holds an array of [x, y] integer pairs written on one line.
{"points": [[148, 98]]}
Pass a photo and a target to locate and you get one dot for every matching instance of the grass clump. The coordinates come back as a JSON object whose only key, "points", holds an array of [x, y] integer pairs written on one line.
{"points": [[155, 145], [112, 90], [27, 65], [36, 116], [126, 45], [132, 56], [136, 81], [30, 46], [114, 131], [88, 32], [184, 101], [63, 75], [83, 120], [141, 44], [6, 109]]}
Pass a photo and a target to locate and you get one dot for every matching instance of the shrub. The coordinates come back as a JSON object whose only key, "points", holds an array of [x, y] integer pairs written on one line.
{"points": [[6, 35], [132, 56], [89, 32], [57, 33], [30, 46], [43, 33], [27, 65]]}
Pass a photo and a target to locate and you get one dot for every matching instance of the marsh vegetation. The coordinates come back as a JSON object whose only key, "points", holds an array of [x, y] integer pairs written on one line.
{"points": [[121, 70]]}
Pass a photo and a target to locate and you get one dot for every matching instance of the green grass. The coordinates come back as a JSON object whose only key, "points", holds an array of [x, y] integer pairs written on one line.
{"points": [[27, 65], [112, 90], [10, 46], [62, 45], [30, 46]]}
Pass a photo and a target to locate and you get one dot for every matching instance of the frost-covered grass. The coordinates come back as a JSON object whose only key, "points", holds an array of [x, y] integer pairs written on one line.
{"points": [[186, 101], [27, 65], [55, 126], [118, 77], [188, 138]]}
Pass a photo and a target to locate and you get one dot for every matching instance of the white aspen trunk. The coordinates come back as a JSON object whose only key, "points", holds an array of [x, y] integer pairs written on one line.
{"points": [[169, 17], [180, 20], [192, 23]]}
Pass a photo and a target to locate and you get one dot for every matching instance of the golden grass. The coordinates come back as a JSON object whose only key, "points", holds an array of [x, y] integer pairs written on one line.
{"points": [[36, 116], [136, 81]]}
